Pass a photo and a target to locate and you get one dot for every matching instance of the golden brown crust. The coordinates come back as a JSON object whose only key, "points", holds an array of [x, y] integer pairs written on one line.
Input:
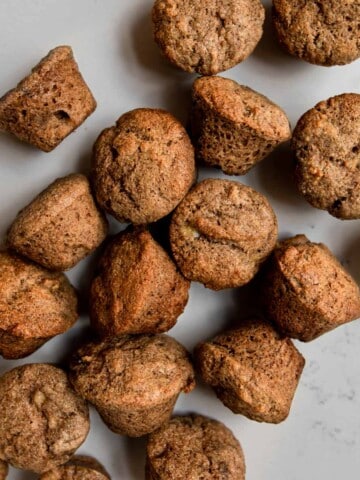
{"points": [[327, 149], [51, 102], [221, 233], [194, 447], [253, 370], [306, 290], [325, 32], [143, 166], [133, 381], [233, 127], [61, 226], [137, 288], [35, 305], [80, 467], [43, 421], [207, 36]]}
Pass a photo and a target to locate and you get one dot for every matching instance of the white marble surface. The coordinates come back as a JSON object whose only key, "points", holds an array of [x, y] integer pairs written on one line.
{"points": [[112, 43]]}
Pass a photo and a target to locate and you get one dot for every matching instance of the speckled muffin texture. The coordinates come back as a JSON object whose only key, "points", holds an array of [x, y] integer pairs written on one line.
{"points": [[253, 370], [221, 233], [194, 447], [3, 470], [133, 381], [79, 467], [61, 226], [326, 143], [50, 103], [137, 288], [233, 127], [143, 166], [325, 32], [35, 305], [306, 291], [43, 421], [207, 36]]}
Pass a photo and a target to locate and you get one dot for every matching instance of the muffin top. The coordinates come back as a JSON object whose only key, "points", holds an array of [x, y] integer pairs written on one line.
{"points": [[194, 447], [132, 370], [43, 421], [221, 232], [143, 166], [325, 32], [326, 142], [207, 36]]}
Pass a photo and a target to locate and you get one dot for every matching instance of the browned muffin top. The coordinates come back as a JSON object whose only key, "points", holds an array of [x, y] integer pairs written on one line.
{"points": [[325, 32], [143, 166], [43, 421], [326, 142], [194, 447], [207, 36], [221, 232]]}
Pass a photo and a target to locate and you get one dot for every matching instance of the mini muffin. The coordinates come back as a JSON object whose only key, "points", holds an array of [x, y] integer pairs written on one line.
{"points": [[253, 370], [3, 470], [207, 36], [211, 452], [133, 381], [143, 166], [49, 104], [326, 142], [78, 468], [234, 127], [221, 233], [35, 305], [43, 421], [137, 288], [325, 32], [306, 291], [61, 226]]}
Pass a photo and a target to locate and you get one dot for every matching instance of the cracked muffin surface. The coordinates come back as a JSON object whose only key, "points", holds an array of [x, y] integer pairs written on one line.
{"points": [[133, 380], [326, 143], [193, 447], [323, 32], [137, 287], [207, 36], [143, 166], [306, 290], [253, 370], [61, 226], [42, 420], [35, 305], [221, 233]]}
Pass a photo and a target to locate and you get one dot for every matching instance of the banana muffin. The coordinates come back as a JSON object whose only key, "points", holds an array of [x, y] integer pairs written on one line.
{"points": [[35, 305], [194, 447], [143, 166], [3, 470], [133, 381], [61, 226], [325, 32], [42, 420], [233, 127], [326, 143], [48, 104], [306, 291], [79, 467], [207, 36], [137, 288], [221, 233], [253, 370]]}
